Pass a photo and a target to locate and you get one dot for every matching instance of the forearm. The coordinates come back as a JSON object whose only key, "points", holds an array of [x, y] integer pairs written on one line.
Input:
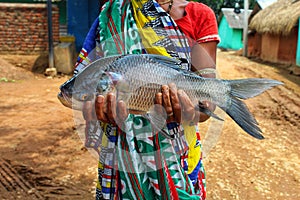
{"points": [[204, 59], [204, 64]]}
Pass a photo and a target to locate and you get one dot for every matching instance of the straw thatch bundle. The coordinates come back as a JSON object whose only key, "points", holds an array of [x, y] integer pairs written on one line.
{"points": [[278, 18]]}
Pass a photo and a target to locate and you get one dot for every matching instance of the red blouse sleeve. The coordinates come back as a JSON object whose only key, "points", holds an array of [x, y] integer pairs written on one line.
{"points": [[206, 23]]}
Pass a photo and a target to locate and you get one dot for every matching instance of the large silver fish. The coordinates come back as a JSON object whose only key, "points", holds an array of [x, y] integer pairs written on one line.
{"points": [[137, 78]]}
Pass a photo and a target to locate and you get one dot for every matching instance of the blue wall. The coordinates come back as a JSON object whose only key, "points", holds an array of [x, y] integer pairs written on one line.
{"points": [[81, 15]]}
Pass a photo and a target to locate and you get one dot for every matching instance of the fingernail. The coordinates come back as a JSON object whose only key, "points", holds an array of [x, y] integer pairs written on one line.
{"points": [[111, 97], [172, 85], [158, 95], [165, 89], [99, 99]]}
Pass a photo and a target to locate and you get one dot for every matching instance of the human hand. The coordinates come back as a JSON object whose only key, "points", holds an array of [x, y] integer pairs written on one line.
{"points": [[177, 104], [108, 110]]}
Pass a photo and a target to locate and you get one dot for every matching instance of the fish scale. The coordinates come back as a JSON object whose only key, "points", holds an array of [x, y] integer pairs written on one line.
{"points": [[145, 71]]}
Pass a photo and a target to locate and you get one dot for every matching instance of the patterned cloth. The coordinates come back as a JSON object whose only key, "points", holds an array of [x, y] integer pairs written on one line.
{"points": [[137, 162]]}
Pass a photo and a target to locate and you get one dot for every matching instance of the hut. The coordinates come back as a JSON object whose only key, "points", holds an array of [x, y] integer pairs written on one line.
{"points": [[254, 39], [230, 26], [260, 5], [278, 26]]}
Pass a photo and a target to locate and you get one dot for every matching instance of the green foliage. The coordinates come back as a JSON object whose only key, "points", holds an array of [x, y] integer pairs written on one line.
{"points": [[216, 5], [4, 79]]}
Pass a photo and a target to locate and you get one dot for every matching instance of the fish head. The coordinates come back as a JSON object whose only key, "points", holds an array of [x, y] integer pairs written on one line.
{"points": [[77, 90], [65, 94], [72, 94], [83, 86]]}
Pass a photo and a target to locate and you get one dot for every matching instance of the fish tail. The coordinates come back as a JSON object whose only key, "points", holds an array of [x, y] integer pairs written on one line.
{"points": [[248, 88], [238, 111]]}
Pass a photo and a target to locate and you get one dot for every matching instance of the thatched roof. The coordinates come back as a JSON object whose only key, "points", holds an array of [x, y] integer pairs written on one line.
{"points": [[278, 18]]}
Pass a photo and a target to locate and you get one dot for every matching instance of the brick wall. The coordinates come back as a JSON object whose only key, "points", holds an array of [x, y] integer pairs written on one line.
{"points": [[24, 28]]}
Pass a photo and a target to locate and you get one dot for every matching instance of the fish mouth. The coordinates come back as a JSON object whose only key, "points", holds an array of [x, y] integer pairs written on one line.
{"points": [[69, 102], [64, 99]]}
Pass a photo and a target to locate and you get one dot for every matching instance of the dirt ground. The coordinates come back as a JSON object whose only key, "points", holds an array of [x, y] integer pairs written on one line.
{"points": [[42, 157]]}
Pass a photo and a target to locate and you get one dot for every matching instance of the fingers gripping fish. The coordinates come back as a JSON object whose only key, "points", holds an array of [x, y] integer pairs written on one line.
{"points": [[137, 78]]}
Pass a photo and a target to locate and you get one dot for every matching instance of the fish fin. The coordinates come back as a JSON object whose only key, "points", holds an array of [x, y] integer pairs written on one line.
{"points": [[96, 66], [200, 107], [239, 112], [247, 88], [165, 60]]}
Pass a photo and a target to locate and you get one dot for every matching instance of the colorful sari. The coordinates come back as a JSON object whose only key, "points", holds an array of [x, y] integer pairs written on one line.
{"points": [[136, 162]]}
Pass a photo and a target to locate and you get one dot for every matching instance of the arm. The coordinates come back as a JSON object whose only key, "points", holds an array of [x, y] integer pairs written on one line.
{"points": [[204, 56], [201, 26]]}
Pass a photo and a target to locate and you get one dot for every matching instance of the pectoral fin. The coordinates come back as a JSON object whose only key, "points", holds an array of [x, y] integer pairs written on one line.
{"points": [[200, 107]]}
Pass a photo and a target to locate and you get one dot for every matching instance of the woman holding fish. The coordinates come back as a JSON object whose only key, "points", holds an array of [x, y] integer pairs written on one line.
{"points": [[135, 160]]}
